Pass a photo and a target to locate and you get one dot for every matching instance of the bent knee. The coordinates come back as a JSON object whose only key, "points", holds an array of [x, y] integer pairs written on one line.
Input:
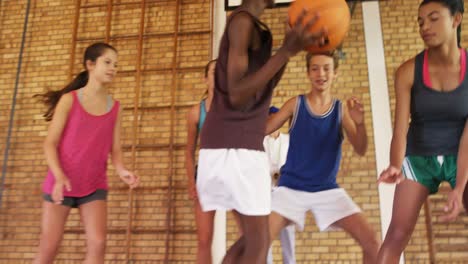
{"points": [[398, 234], [372, 244], [96, 243]]}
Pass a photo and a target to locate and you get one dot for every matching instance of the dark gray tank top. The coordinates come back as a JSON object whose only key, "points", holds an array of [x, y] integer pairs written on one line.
{"points": [[437, 118], [226, 127]]}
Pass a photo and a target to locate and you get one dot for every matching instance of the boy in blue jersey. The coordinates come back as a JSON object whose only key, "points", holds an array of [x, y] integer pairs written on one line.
{"points": [[308, 178]]}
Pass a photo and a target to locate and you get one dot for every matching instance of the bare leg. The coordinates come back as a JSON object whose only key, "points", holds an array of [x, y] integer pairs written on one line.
{"points": [[357, 226], [409, 197], [235, 251], [252, 247], [205, 225], [276, 222], [465, 198], [94, 218], [53, 224]]}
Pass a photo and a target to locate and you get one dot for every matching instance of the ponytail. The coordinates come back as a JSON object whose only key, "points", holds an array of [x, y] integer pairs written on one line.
{"points": [[51, 98]]}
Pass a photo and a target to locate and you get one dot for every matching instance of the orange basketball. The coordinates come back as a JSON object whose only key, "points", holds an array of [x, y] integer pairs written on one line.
{"points": [[333, 15]]}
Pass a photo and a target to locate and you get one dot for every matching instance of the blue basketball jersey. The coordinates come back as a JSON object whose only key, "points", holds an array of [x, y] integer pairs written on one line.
{"points": [[314, 151]]}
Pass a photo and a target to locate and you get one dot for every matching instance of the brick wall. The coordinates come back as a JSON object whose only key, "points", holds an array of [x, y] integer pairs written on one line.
{"points": [[46, 66], [159, 150]]}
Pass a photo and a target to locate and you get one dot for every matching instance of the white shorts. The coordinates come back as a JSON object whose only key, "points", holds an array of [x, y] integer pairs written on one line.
{"points": [[236, 179], [327, 206]]}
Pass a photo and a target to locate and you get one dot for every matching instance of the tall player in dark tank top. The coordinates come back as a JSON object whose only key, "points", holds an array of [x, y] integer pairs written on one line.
{"points": [[246, 74], [438, 127]]}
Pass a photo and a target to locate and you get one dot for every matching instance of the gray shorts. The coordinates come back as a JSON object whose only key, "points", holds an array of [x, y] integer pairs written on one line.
{"points": [[75, 202]]}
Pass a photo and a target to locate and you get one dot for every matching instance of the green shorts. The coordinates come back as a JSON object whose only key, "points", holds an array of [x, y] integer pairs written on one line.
{"points": [[430, 171]]}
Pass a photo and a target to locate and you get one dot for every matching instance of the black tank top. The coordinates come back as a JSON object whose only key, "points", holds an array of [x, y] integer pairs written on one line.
{"points": [[437, 118], [226, 127]]}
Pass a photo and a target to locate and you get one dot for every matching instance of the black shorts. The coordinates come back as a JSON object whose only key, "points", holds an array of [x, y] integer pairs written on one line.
{"points": [[75, 202]]}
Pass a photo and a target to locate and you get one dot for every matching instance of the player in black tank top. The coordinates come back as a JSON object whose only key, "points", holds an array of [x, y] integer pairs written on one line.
{"points": [[439, 26], [246, 80], [204, 220]]}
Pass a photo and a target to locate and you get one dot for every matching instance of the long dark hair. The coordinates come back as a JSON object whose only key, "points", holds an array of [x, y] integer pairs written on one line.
{"points": [[455, 6], [207, 69], [51, 98]]}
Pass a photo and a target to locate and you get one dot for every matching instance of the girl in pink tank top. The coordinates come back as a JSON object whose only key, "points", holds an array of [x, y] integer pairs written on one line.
{"points": [[84, 130]]}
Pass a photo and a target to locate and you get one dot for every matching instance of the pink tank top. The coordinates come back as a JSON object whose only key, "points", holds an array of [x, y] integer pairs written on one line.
{"points": [[84, 149], [426, 75]]}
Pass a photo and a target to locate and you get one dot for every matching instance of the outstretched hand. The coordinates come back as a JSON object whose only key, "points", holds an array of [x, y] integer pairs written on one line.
{"points": [[356, 110], [391, 175]]}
